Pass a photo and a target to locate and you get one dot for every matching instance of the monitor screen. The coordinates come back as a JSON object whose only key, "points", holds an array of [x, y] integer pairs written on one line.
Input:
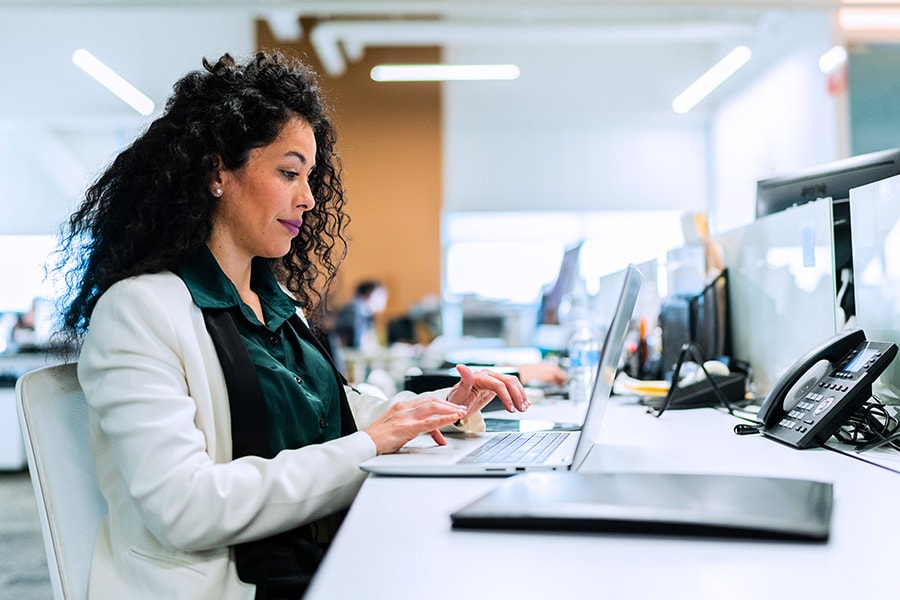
{"points": [[568, 271]]}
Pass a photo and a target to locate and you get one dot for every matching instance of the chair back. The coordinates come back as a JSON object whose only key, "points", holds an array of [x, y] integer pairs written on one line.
{"points": [[54, 418]]}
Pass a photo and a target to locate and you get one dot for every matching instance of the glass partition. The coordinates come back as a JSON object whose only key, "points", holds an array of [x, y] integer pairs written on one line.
{"points": [[875, 219], [782, 288]]}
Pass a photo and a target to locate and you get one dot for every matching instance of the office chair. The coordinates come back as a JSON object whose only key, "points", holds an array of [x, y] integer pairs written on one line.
{"points": [[54, 418]]}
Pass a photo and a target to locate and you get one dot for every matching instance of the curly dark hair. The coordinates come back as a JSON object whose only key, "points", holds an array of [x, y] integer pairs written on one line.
{"points": [[152, 207]]}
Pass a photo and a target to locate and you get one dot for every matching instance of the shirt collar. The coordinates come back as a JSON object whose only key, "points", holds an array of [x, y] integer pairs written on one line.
{"points": [[210, 288]]}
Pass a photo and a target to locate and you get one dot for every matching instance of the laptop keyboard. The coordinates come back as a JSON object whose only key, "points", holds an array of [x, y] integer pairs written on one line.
{"points": [[519, 448]]}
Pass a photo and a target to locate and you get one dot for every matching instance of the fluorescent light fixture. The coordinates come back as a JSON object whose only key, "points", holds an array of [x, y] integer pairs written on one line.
{"points": [[710, 80], [869, 17], [112, 81], [861, 19], [831, 60], [444, 72]]}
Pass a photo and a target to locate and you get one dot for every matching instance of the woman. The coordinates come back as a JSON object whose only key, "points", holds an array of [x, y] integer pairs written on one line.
{"points": [[226, 443]]}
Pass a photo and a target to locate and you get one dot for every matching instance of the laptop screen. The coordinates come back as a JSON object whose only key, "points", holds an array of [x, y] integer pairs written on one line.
{"points": [[610, 354]]}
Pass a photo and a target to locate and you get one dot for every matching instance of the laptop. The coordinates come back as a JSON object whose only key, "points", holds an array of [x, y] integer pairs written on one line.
{"points": [[470, 454]]}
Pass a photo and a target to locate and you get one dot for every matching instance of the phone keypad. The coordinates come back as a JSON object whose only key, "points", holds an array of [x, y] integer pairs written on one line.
{"points": [[838, 387], [799, 418]]}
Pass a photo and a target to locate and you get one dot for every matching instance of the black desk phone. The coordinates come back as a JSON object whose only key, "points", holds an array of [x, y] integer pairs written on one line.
{"points": [[817, 395]]}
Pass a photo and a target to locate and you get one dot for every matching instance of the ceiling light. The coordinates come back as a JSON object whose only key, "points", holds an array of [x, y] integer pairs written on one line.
{"points": [[869, 18], [112, 81], [831, 60], [710, 80], [444, 72]]}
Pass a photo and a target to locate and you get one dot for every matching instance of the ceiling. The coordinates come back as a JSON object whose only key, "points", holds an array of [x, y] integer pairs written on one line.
{"points": [[153, 42], [56, 123]]}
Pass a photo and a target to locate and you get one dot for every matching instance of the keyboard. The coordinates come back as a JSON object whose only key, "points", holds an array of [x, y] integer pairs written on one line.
{"points": [[530, 447]]}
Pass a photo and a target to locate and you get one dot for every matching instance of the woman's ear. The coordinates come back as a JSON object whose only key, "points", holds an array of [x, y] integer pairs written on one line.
{"points": [[215, 181]]}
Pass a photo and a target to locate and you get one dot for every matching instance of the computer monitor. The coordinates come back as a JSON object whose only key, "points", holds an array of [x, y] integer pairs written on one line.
{"points": [[568, 271], [832, 180]]}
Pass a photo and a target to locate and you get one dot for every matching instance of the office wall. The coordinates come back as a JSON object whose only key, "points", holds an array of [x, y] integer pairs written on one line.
{"points": [[390, 144], [582, 129], [780, 118], [58, 128]]}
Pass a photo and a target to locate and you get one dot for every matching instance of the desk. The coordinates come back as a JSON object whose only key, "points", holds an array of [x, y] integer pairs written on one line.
{"points": [[397, 541]]}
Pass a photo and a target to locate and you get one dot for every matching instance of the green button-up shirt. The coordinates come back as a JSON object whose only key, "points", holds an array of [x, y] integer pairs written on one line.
{"points": [[300, 392]]}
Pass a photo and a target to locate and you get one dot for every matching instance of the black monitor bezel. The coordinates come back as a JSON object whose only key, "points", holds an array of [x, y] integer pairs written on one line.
{"points": [[830, 180]]}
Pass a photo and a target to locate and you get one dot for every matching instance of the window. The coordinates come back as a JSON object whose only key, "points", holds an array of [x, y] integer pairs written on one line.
{"points": [[23, 259], [512, 256]]}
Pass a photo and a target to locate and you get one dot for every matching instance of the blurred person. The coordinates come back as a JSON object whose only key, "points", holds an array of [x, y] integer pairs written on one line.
{"points": [[355, 324]]}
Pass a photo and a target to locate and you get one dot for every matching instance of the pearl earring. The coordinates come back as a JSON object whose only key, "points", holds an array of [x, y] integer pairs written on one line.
{"points": [[217, 192]]}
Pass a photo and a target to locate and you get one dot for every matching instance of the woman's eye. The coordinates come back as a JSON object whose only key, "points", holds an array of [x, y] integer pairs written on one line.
{"points": [[290, 174]]}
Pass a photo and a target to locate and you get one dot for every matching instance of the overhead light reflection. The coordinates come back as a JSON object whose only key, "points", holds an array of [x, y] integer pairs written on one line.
{"points": [[832, 59], [112, 81], [444, 72], [861, 19], [710, 80]]}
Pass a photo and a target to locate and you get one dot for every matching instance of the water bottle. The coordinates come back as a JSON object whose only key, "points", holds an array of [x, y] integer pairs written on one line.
{"points": [[584, 354]]}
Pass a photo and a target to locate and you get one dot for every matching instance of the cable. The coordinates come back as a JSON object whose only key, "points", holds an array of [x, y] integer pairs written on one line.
{"points": [[870, 426], [690, 349]]}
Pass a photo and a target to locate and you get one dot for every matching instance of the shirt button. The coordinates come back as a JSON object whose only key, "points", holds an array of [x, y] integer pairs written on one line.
{"points": [[273, 340], [298, 380], [322, 423]]}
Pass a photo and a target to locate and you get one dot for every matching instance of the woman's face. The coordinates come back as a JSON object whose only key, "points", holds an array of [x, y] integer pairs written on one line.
{"points": [[261, 204]]}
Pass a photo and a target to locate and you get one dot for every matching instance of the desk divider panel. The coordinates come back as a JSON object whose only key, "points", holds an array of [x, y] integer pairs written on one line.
{"points": [[782, 288]]}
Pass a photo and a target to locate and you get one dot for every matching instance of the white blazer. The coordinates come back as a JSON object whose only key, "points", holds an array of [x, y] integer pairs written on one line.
{"points": [[161, 435]]}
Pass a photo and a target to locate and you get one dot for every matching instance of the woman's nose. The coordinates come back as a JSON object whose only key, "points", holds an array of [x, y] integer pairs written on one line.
{"points": [[306, 200]]}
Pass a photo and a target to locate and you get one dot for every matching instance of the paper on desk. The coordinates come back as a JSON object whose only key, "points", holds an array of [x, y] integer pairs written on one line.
{"points": [[638, 387]]}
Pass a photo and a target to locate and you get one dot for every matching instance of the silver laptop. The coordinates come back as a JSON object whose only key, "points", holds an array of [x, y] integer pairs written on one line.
{"points": [[473, 454]]}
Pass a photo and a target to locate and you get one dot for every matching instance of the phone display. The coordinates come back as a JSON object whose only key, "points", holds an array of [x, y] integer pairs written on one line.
{"points": [[817, 395]]}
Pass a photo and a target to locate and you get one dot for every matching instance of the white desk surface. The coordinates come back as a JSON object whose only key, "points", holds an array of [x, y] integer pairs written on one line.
{"points": [[397, 541]]}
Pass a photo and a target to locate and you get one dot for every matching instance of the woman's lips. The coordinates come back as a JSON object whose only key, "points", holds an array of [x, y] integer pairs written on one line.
{"points": [[292, 225]]}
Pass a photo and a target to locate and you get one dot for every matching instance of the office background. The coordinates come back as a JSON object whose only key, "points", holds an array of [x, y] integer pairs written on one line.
{"points": [[584, 145], [444, 177]]}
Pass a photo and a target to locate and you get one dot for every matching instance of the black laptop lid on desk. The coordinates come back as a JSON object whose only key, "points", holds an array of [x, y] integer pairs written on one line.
{"points": [[655, 503]]}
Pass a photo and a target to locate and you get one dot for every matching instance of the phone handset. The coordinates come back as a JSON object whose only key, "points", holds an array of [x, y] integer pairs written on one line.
{"points": [[817, 395], [831, 350], [805, 385]]}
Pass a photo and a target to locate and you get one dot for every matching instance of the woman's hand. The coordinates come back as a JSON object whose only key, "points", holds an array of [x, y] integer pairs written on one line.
{"points": [[406, 419], [477, 388], [542, 372]]}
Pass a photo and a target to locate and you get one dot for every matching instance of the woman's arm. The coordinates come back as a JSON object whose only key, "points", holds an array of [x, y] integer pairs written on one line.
{"points": [[162, 429]]}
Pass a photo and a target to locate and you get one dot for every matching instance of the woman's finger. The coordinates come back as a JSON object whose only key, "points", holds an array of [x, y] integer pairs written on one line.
{"points": [[466, 375], [479, 388], [438, 437]]}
